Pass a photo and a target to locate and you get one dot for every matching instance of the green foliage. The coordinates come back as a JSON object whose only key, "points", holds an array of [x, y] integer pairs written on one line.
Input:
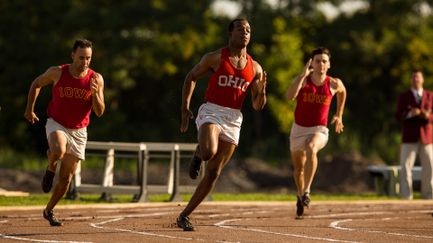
{"points": [[13, 160], [283, 62], [144, 49]]}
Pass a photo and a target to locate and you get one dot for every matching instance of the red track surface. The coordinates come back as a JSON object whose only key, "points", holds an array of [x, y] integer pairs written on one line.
{"points": [[362, 221]]}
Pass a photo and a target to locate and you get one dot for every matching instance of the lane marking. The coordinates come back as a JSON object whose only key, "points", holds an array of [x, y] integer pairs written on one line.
{"points": [[100, 226], [6, 236], [363, 213], [70, 218], [221, 213], [222, 225], [107, 216], [35, 240], [335, 225], [333, 215]]}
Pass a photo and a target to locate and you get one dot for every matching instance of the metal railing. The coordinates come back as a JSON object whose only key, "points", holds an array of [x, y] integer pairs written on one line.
{"points": [[143, 151]]}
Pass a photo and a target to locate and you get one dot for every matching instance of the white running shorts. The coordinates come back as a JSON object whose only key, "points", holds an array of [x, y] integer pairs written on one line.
{"points": [[227, 119], [76, 138], [299, 136]]}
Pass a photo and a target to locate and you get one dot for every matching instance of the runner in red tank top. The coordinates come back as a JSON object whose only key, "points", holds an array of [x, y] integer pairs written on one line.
{"points": [[313, 91], [219, 119], [315, 98], [76, 91], [228, 85], [71, 99]]}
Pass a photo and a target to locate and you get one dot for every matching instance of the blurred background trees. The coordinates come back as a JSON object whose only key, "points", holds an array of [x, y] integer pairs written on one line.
{"points": [[144, 50]]}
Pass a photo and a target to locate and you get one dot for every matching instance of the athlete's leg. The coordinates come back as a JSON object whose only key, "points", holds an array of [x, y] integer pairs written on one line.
{"points": [[67, 170], [57, 148], [299, 158], [208, 145], [57, 142], [208, 137], [213, 169], [314, 144]]}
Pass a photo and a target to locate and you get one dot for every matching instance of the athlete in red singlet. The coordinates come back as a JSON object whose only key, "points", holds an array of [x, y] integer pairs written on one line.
{"points": [[227, 86], [313, 91], [77, 90], [71, 100], [315, 98], [219, 119]]}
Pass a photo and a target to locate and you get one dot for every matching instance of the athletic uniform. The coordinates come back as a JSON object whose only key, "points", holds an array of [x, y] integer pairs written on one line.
{"points": [[311, 114], [225, 94], [69, 110]]}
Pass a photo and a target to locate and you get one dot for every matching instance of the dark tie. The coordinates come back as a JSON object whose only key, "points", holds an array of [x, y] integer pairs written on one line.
{"points": [[418, 97]]}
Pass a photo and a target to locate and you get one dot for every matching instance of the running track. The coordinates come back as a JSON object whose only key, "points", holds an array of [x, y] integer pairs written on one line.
{"points": [[360, 221]]}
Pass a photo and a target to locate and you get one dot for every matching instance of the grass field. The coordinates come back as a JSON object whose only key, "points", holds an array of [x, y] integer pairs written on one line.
{"points": [[42, 199]]}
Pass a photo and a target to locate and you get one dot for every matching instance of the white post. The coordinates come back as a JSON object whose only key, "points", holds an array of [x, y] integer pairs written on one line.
{"points": [[170, 181], [108, 171]]}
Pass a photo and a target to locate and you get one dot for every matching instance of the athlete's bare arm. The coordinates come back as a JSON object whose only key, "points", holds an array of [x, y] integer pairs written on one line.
{"points": [[337, 88], [51, 76], [97, 88], [209, 63], [258, 88], [299, 81]]}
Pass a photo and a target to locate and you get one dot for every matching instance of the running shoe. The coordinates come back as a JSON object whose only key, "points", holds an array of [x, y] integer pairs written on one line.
{"points": [[47, 181], [184, 223], [299, 208], [49, 215], [306, 199]]}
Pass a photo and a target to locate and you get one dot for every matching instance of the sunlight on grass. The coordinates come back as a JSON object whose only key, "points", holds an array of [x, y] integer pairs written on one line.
{"points": [[42, 199]]}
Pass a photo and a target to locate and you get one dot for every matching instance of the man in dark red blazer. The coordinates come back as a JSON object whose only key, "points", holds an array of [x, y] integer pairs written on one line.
{"points": [[414, 111]]}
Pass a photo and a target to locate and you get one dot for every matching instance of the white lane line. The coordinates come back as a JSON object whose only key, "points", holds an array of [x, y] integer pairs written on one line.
{"points": [[363, 213], [419, 211], [35, 240], [336, 225], [136, 210], [333, 215], [5, 236], [75, 218], [215, 215], [222, 225], [230, 214], [107, 216], [100, 226]]}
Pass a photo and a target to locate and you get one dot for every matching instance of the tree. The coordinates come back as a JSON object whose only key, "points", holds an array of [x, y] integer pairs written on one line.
{"points": [[144, 50]]}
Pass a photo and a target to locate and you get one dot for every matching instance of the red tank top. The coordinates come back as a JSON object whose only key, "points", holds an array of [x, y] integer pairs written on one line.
{"points": [[313, 103], [227, 86], [71, 100]]}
